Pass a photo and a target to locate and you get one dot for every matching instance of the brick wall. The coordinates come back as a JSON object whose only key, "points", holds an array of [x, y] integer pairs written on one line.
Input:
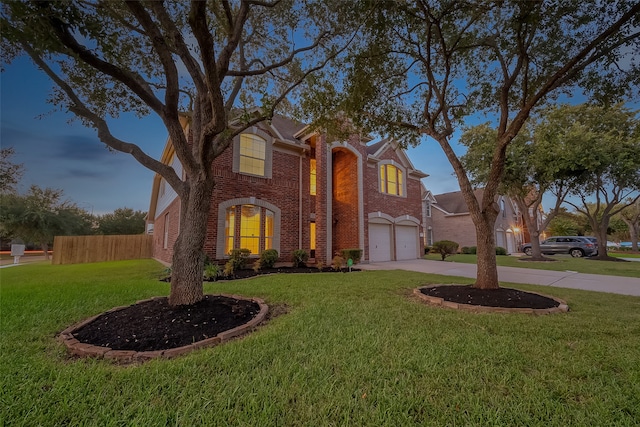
{"points": [[173, 213]]}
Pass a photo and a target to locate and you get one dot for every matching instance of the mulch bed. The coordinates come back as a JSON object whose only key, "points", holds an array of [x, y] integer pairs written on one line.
{"points": [[154, 325], [501, 297]]}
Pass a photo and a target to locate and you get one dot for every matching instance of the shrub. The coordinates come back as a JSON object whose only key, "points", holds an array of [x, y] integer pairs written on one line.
{"points": [[211, 271], [337, 262], [445, 248], [426, 250], [256, 265], [469, 250], [354, 254], [237, 261], [500, 250], [465, 250], [268, 258], [300, 258]]}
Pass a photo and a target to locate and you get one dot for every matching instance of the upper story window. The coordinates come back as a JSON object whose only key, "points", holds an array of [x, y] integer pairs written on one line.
{"points": [[312, 177], [252, 154], [427, 209], [503, 208], [391, 180]]}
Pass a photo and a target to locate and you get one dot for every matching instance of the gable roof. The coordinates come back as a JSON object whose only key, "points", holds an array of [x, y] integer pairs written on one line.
{"points": [[453, 203], [375, 150]]}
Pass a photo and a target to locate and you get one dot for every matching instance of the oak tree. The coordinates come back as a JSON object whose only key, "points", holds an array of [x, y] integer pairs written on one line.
{"points": [[210, 61]]}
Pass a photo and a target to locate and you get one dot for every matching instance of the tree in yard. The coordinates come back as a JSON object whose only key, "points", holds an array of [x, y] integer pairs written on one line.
{"points": [[605, 146], [422, 68], [532, 169], [210, 60], [40, 215], [121, 221], [631, 216], [10, 173], [445, 248]]}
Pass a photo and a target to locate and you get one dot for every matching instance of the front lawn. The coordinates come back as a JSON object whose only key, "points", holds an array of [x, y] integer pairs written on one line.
{"points": [[352, 349], [560, 263]]}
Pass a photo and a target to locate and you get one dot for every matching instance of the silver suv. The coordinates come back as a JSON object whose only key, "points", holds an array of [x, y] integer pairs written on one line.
{"points": [[576, 246]]}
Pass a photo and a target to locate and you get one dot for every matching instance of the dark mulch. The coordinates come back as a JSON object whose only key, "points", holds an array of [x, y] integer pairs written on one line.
{"points": [[154, 325], [501, 297], [246, 273]]}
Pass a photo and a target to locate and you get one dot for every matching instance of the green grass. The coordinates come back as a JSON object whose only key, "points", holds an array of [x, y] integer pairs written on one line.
{"points": [[561, 263], [354, 349]]}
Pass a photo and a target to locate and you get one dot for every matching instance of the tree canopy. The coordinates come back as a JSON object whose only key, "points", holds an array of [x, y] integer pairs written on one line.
{"points": [[121, 221], [10, 172], [424, 68], [214, 67]]}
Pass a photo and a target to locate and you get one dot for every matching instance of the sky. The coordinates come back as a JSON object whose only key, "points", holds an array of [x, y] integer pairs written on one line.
{"points": [[62, 153]]}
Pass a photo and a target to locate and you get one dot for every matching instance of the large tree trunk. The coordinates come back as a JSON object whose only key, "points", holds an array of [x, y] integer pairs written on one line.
{"points": [[45, 250], [487, 277], [600, 229], [634, 230], [188, 256], [531, 222]]}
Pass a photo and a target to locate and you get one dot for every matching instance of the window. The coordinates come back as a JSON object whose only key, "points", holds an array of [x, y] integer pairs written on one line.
{"points": [[312, 178], [502, 208], [428, 209], [429, 237], [165, 242], [312, 235], [256, 228], [252, 154], [391, 180]]}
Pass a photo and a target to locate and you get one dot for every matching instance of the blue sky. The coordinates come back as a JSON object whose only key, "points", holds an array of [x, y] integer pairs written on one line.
{"points": [[58, 152]]}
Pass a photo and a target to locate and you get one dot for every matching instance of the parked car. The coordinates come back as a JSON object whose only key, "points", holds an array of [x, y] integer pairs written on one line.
{"points": [[576, 246]]}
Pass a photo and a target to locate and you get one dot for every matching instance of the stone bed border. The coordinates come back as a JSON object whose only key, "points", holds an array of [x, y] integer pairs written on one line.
{"points": [[437, 301], [80, 349]]}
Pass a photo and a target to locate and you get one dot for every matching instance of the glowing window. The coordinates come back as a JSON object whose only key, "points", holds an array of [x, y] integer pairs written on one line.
{"points": [[391, 180], [252, 154], [230, 226], [256, 225], [312, 235], [312, 185], [268, 229]]}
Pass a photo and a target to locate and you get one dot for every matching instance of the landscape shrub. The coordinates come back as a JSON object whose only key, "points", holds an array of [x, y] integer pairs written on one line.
{"points": [[426, 250], [300, 258], [268, 258], [468, 250], [500, 250], [354, 254], [445, 248], [211, 271], [337, 262], [237, 260]]}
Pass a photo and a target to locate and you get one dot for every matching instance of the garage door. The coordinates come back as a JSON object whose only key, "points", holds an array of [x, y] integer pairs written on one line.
{"points": [[406, 242], [379, 242]]}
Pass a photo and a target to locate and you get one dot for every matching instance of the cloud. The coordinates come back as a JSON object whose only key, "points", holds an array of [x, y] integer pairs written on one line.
{"points": [[81, 148]]}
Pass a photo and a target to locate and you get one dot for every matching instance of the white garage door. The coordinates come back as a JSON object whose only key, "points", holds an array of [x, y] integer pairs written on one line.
{"points": [[500, 239], [406, 242], [379, 242]]}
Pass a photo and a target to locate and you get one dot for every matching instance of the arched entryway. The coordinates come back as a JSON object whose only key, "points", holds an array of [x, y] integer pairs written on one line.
{"points": [[345, 200]]}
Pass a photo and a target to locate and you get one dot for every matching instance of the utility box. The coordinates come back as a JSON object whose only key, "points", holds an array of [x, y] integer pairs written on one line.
{"points": [[16, 252]]}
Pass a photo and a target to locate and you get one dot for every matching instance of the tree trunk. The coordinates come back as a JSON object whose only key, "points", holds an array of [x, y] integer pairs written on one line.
{"points": [[600, 229], [45, 251], [634, 230], [188, 256], [487, 277], [532, 225]]}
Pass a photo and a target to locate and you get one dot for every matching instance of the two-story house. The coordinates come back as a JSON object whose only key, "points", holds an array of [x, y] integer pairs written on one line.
{"points": [[446, 217], [282, 186]]}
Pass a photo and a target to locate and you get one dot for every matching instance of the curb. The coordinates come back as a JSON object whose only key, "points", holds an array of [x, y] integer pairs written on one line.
{"points": [[80, 349], [436, 301]]}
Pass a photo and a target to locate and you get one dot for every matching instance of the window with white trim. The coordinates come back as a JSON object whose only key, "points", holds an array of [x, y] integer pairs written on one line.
{"points": [[252, 154], [249, 227], [391, 180], [312, 177]]}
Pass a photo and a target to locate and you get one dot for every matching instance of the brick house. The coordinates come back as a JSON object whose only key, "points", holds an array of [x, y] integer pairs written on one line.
{"points": [[281, 186], [446, 217]]}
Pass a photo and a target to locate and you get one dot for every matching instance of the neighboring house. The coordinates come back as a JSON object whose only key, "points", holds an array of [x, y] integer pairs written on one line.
{"points": [[446, 217], [282, 186]]}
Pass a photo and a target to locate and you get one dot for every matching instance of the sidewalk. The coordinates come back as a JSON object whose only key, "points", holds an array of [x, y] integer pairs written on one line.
{"points": [[4, 263], [561, 279]]}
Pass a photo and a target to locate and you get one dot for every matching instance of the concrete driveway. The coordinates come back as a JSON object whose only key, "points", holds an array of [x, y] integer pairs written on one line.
{"points": [[561, 279]]}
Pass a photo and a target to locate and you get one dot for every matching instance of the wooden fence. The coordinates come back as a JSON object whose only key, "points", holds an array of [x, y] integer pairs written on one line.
{"points": [[82, 249]]}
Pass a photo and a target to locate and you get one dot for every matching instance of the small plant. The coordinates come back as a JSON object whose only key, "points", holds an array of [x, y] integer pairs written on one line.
{"points": [[166, 274], [239, 258], [211, 271], [427, 249], [300, 258], [256, 265], [337, 262], [500, 250], [268, 258], [445, 248], [468, 250], [354, 254], [228, 269], [319, 265]]}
